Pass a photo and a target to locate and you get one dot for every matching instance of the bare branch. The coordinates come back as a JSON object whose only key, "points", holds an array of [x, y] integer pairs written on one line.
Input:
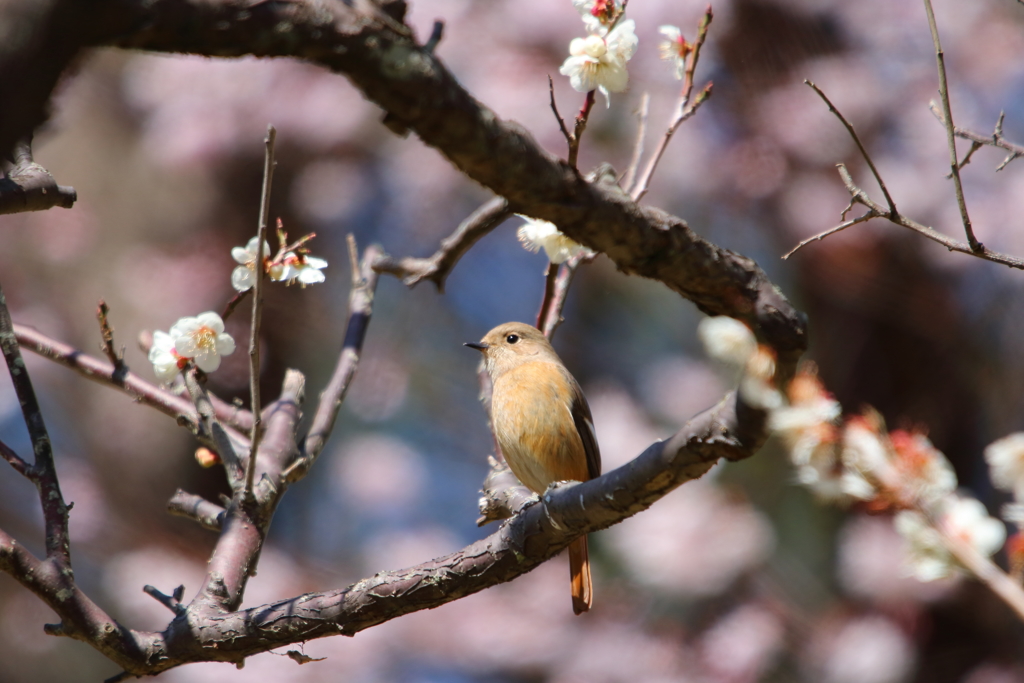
{"points": [[44, 471], [16, 461], [822, 235], [27, 186], [171, 602], [861, 197], [412, 270], [860, 146], [978, 140], [257, 312], [208, 515], [684, 108], [558, 117], [581, 125], [131, 384], [115, 357], [940, 59], [212, 426]]}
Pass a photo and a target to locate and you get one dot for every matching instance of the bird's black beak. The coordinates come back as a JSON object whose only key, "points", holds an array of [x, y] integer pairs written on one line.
{"points": [[479, 346]]}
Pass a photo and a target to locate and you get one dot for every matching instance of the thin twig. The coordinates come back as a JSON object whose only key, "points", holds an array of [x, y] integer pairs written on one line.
{"points": [[257, 312], [558, 117], [219, 436], [863, 151], [996, 139], [638, 147], [549, 292], [684, 108], [822, 235], [230, 307], [16, 461], [131, 384], [55, 511], [950, 137], [861, 197], [171, 602], [208, 515], [107, 334], [437, 267], [560, 293], [581, 125]]}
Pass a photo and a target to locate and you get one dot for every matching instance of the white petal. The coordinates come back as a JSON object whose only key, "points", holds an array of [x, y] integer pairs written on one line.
{"points": [[225, 344], [207, 360], [310, 276], [211, 320], [186, 346], [243, 278]]}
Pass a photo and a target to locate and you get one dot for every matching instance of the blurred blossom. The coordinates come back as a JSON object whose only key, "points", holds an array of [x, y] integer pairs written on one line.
{"points": [[393, 550], [327, 190], [757, 384], [1005, 459], [868, 649], [279, 577], [925, 472], [151, 279], [598, 15], [536, 234], [963, 518], [167, 363], [379, 473], [21, 624], [381, 387], [199, 110], [90, 519], [678, 388], [864, 454], [694, 541], [743, 645], [125, 574], [202, 339], [871, 561], [536, 629], [727, 339], [243, 277], [989, 672], [758, 167], [621, 652], [674, 49], [623, 429], [599, 62]]}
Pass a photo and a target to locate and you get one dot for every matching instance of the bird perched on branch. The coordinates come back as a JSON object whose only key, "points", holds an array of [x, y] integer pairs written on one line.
{"points": [[542, 424]]}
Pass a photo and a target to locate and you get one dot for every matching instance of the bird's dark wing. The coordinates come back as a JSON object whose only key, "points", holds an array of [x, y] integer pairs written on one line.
{"points": [[585, 427]]}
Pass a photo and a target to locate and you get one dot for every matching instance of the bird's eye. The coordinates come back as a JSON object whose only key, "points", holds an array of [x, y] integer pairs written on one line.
{"points": [[512, 338]]}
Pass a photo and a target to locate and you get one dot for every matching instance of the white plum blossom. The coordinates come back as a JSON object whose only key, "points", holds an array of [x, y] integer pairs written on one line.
{"points": [[965, 519], [536, 234], [727, 339], [925, 471], [1005, 459], [202, 339], [674, 49], [243, 277], [598, 15], [165, 359], [298, 267], [598, 62]]}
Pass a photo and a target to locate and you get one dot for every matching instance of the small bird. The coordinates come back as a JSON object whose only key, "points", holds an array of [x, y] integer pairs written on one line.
{"points": [[542, 423]]}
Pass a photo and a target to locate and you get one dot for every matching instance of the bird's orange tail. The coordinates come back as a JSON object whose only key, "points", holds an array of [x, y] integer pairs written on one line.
{"points": [[579, 567]]}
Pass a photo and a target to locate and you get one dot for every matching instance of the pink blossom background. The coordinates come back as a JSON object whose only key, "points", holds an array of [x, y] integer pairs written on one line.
{"points": [[736, 578]]}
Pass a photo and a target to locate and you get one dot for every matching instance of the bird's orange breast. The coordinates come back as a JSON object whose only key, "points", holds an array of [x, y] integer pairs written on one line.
{"points": [[531, 412]]}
